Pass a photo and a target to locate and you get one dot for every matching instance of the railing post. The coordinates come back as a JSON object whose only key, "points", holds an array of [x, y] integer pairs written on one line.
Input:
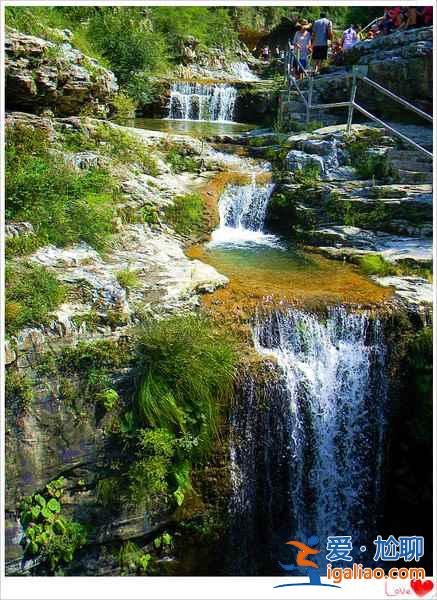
{"points": [[350, 113], [310, 99]]}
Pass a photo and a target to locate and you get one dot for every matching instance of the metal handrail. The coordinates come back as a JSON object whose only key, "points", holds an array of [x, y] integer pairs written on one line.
{"points": [[351, 104]]}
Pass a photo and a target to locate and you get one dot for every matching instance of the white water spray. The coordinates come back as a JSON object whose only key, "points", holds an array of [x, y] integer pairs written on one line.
{"points": [[197, 102]]}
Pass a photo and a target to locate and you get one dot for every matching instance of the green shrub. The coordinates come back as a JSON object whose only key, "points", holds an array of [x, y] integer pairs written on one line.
{"points": [[308, 176], [47, 533], [185, 215], [189, 369], [148, 476], [181, 162], [132, 559], [108, 399], [127, 279], [64, 205], [18, 391], [375, 264], [32, 293], [123, 106], [91, 358], [21, 245], [368, 164]]}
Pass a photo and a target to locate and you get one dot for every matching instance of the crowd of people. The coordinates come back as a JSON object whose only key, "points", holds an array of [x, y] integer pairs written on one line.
{"points": [[311, 40]]}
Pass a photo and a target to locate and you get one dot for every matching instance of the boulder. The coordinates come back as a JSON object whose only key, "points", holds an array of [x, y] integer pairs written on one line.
{"points": [[41, 74]]}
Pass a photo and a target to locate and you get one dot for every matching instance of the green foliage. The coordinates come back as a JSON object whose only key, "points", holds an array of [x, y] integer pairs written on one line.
{"points": [[185, 215], [108, 399], [64, 205], [18, 391], [374, 264], [368, 163], [32, 293], [123, 106], [127, 279], [125, 37], [308, 176], [125, 147], [94, 357], [181, 162], [47, 533], [132, 560], [21, 245], [189, 369], [163, 542], [149, 473]]}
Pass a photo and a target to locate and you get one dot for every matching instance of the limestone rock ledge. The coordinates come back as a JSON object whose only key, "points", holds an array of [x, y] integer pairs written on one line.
{"points": [[41, 74]]}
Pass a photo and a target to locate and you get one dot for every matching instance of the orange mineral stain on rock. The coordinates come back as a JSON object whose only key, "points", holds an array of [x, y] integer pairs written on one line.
{"points": [[270, 275]]}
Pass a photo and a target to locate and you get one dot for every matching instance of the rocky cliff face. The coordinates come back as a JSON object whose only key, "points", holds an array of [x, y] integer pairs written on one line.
{"points": [[44, 75], [402, 62]]}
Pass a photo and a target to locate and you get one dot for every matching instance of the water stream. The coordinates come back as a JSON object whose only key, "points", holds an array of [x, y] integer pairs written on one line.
{"points": [[199, 102]]}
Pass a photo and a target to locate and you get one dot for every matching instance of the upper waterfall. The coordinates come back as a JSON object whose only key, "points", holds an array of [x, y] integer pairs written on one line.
{"points": [[199, 102]]}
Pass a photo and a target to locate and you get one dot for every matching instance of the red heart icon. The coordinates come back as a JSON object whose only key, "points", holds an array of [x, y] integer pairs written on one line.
{"points": [[421, 587]]}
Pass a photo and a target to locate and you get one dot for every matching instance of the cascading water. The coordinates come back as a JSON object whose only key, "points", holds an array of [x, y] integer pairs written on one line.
{"points": [[242, 210], [242, 71], [332, 391], [194, 101]]}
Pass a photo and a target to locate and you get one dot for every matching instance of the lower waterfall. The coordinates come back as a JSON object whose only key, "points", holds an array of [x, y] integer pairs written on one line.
{"points": [[198, 102], [242, 210], [307, 451]]}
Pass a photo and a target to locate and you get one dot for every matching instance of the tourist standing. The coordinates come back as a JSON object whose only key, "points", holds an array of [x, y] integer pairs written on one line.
{"points": [[349, 39], [322, 32], [301, 47]]}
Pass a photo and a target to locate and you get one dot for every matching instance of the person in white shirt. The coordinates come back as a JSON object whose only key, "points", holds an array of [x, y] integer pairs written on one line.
{"points": [[349, 39], [301, 47]]}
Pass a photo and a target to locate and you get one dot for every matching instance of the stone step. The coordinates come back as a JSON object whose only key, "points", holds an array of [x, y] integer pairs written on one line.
{"points": [[407, 176], [415, 155], [411, 165]]}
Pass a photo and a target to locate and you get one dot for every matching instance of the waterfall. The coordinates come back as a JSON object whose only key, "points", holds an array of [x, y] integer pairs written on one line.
{"points": [[242, 72], [242, 210], [194, 101], [332, 391]]}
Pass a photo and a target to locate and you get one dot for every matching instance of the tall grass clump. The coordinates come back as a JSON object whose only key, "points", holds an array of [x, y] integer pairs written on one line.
{"points": [[188, 373]]}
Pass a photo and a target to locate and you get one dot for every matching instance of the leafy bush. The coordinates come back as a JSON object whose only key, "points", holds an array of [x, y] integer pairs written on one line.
{"points": [[123, 106], [126, 38], [18, 391], [132, 559], [368, 164], [32, 293], [64, 205], [48, 534], [180, 162], [374, 264], [185, 215], [189, 369], [308, 176], [148, 475], [108, 399], [127, 279]]}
